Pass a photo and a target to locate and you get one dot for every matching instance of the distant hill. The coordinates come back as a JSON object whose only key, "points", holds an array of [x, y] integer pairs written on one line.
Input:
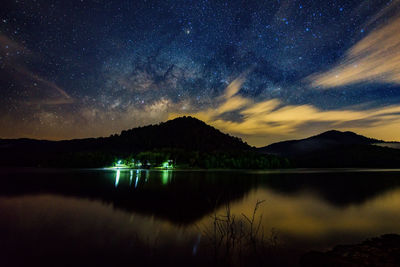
{"points": [[186, 140], [191, 143], [337, 149], [329, 139]]}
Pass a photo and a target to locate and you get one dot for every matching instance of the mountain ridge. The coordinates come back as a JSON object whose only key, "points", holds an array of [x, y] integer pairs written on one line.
{"points": [[187, 140], [337, 149], [199, 144], [181, 128], [326, 139]]}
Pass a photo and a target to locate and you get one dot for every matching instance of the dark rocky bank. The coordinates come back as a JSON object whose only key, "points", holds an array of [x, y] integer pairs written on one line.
{"points": [[378, 251]]}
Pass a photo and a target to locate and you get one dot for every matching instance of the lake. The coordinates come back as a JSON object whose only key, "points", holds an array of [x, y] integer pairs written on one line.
{"points": [[149, 217]]}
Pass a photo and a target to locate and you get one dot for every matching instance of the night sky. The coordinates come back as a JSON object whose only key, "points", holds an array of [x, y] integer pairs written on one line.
{"points": [[262, 70]]}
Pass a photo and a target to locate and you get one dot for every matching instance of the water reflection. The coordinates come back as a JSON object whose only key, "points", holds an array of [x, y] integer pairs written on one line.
{"points": [[304, 219], [310, 210], [117, 175], [137, 178], [64, 231], [196, 194], [166, 176]]}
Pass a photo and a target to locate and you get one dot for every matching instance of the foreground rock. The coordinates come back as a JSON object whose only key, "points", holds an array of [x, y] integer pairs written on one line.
{"points": [[380, 251]]}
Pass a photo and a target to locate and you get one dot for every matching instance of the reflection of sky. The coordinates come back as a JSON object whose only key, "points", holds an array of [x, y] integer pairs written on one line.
{"points": [[303, 218], [90, 223]]}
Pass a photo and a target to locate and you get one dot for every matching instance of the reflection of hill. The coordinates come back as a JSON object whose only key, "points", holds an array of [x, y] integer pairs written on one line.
{"points": [[338, 188], [184, 197], [180, 197]]}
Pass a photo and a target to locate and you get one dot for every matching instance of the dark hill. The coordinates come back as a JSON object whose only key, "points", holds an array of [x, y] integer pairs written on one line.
{"points": [[336, 149], [183, 135], [185, 132], [329, 139]]}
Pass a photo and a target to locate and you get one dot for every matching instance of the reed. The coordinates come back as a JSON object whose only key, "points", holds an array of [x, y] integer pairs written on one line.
{"points": [[239, 240]]}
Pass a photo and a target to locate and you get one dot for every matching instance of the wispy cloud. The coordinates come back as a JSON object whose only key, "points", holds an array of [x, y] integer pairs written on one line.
{"points": [[271, 120], [38, 90], [375, 58]]}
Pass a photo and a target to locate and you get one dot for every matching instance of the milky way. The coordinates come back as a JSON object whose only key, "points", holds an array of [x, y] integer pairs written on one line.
{"points": [[261, 70]]}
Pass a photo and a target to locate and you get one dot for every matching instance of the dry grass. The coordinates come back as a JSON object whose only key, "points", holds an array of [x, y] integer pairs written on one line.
{"points": [[240, 240]]}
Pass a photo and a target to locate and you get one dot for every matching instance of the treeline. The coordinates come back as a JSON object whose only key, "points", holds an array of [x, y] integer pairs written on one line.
{"points": [[181, 159], [211, 160], [189, 142]]}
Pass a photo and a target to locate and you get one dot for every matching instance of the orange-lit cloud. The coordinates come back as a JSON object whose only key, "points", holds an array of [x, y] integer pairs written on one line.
{"points": [[271, 120], [375, 58]]}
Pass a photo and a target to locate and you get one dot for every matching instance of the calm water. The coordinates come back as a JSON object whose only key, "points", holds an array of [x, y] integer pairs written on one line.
{"points": [[134, 217]]}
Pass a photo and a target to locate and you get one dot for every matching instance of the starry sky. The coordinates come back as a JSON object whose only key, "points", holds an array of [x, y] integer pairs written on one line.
{"points": [[264, 71]]}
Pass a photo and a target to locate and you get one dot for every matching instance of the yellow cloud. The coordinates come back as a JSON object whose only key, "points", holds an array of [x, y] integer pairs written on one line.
{"points": [[234, 86], [233, 103], [268, 121], [376, 58]]}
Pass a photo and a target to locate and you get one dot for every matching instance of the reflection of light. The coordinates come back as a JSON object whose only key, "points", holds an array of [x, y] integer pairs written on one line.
{"points": [[137, 178], [147, 176], [130, 178], [166, 176], [117, 178], [196, 244]]}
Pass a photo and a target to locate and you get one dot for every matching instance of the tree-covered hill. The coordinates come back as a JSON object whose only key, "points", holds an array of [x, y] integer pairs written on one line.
{"points": [[187, 141], [336, 149]]}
